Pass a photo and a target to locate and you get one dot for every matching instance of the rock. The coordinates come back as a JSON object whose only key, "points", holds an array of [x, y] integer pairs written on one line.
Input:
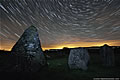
{"points": [[27, 52], [66, 50], [107, 55], [78, 59]]}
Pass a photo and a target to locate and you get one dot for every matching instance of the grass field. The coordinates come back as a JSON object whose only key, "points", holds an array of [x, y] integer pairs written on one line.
{"points": [[58, 70]]}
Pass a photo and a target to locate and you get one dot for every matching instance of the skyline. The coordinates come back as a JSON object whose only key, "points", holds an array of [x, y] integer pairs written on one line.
{"points": [[61, 23]]}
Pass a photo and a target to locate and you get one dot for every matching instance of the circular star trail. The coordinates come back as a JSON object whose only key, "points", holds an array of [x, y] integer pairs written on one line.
{"points": [[61, 23]]}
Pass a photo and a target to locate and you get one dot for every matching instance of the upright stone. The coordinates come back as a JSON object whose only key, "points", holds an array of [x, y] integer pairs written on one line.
{"points": [[28, 53], [78, 59], [107, 55]]}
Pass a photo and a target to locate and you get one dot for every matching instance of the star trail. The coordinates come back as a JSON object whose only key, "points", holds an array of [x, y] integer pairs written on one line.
{"points": [[61, 23]]}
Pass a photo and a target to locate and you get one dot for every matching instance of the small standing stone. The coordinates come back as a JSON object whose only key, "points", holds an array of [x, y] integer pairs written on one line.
{"points": [[107, 55], [27, 52], [78, 59]]}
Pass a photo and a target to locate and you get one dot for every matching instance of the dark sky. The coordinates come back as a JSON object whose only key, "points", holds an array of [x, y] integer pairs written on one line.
{"points": [[61, 23]]}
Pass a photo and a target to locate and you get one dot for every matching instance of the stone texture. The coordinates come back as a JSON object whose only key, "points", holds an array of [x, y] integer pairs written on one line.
{"points": [[107, 55], [78, 59], [27, 52]]}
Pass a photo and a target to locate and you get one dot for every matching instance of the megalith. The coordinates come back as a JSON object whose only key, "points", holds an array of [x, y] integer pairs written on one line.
{"points": [[78, 59], [27, 52], [107, 55]]}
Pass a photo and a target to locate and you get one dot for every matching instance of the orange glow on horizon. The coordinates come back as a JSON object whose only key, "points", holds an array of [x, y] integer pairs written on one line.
{"points": [[82, 44], [71, 45]]}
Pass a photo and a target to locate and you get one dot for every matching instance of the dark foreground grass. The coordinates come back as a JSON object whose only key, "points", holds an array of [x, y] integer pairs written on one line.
{"points": [[58, 70]]}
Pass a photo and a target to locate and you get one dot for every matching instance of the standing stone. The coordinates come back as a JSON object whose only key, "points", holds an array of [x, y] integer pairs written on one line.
{"points": [[27, 52], [78, 59], [107, 55]]}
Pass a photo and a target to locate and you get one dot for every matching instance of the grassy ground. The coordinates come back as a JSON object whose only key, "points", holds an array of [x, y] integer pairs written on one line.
{"points": [[58, 70]]}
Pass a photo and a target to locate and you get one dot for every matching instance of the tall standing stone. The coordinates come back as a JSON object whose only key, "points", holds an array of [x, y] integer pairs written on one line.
{"points": [[78, 59], [28, 53], [107, 55]]}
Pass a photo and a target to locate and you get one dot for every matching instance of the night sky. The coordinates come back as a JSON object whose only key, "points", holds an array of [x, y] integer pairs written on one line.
{"points": [[61, 23]]}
